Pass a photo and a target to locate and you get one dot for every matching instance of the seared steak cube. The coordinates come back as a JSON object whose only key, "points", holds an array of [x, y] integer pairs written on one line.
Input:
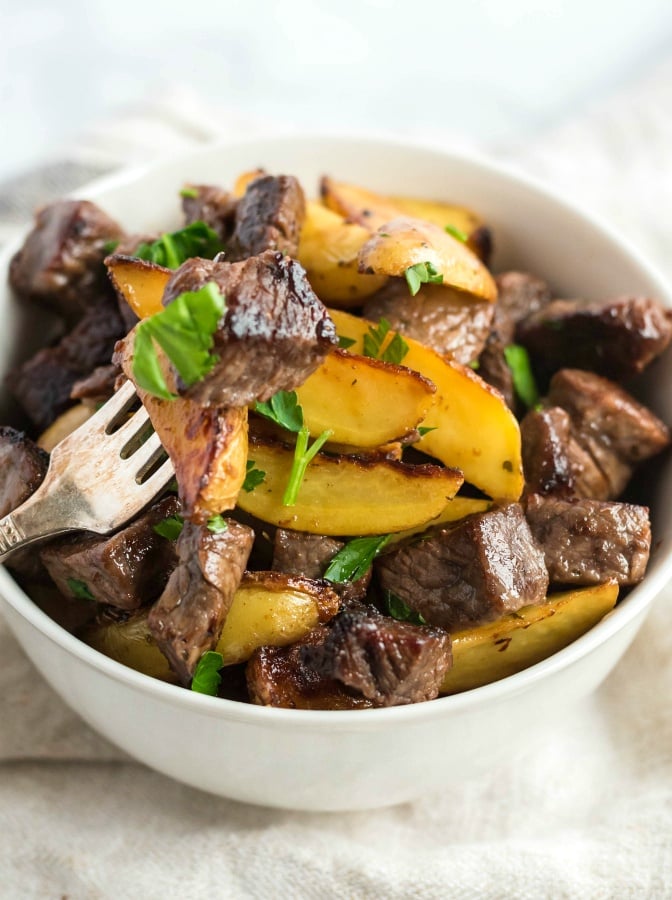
{"points": [[188, 618], [212, 205], [23, 466], [268, 217], [60, 262], [590, 541], [273, 335], [390, 663], [478, 570], [617, 338], [128, 569]]}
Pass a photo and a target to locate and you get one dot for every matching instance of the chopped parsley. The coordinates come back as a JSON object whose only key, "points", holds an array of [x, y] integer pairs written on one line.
{"points": [[425, 429], [394, 606], [353, 560], [419, 274], [283, 408], [171, 250], [206, 678], [189, 193], [303, 456], [170, 528], [345, 342], [110, 246], [457, 233], [253, 478], [374, 339], [518, 361], [185, 331], [79, 589], [217, 524]]}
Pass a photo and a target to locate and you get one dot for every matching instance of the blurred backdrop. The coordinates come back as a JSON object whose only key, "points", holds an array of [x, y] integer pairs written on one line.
{"points": [[484, 71]]}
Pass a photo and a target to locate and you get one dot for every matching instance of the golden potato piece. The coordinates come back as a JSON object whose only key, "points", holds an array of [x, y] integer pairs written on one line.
{"points": [[351, 395], [268, 609], [138, 282], [456, 509], [440, 214], [328, 250], [493, 651], [344, 495], [405, 242], [474, 430], [356, 204], [64, 425]]}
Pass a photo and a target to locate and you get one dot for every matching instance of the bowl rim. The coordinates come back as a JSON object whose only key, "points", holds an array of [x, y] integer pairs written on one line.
{"points": [[634, 605]]}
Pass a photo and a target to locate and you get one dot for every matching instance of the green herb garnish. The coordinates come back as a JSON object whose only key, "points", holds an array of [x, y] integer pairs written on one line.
{"points": [[189, 193], [170, 528], [419, 274], [303, 456], [253, 478], [425, 429], [110, 246], [518, 361], [345, 342], [457, 233], [353, 560], [171, 250], [374, 339], [217, 524], [79, 589], [206, 678], [185, 331], [283, 408], [398, 609], [475, 365]]}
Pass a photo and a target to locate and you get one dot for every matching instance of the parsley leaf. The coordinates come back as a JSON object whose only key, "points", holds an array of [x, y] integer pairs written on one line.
{"points": [[80, 589], [170, 528], [475, 365], [206, 678], [518, 361], [457, 233], [425, 429], [189, 193], [303, 456], [185, 331], [171, 250], [395, 607], [419, 274], [217, 524], [253, 478], [345, 342], [353, 560], [283, 408], [395, 351], [110, 246]]}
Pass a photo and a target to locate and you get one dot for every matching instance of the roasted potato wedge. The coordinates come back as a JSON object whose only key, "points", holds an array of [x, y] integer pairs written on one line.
{"points": [[64, 425], [456, 509], [440, 214], [344, 495], [351, 395], [328, 250], [474, 430], [268, 609], [406, 242], [140, 283], [493, 651]]}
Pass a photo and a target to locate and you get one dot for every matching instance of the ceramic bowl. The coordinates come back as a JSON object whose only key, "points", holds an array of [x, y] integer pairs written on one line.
{"points": [[357, 759]]}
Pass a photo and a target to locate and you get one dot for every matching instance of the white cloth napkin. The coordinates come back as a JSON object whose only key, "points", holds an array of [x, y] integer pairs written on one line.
{"points": [[587, 814]]}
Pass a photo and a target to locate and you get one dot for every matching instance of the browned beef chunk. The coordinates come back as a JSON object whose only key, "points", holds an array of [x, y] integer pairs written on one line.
{"points": [[98, 386], [590, 541], [610, 425], [212, 205], [43, 384], [278, 676], [188, 618], [440, 318], [60, 262], [127, 569], [268, 217], [298, 553], [390, 663], [481, 242], [617, 338], [275, 331], [478, 570], [23, 466], [519, 295]]}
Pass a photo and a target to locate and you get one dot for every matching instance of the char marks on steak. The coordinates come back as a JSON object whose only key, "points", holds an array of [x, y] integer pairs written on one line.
{"points": [[274, 334], [617, 338], [443, 319], [127, 570], [188, 618], [473, 572], [212, 205], [97, 387], [60, 262], [591, 541], [269, 216], [391, 663]]}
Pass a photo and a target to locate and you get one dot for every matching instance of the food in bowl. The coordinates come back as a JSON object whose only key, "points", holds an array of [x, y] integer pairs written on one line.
{"points": [[392, 559]]}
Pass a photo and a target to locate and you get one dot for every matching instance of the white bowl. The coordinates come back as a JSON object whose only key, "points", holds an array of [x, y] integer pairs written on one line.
{"points": [[357, 759]]}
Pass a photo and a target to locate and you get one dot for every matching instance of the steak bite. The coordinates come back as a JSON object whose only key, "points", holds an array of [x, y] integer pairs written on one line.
{"points": [[212, 205], [476, 571], [274, 332], [188, 617], [23, 466], [590, 541], [298, 553], [60, 262], [609, 424], [617, 338], [391, 663], [127, 569], [443, 319], [269, 216]]}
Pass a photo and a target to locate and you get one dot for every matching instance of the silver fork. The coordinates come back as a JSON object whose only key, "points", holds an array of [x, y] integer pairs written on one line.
{"points": [[99, 477]]}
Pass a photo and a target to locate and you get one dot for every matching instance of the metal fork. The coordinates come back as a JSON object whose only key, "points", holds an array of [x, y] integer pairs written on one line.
{"points": [[99, 477]]}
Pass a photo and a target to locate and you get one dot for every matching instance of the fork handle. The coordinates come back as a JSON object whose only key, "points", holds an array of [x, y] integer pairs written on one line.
{"points": [[37, 518]]}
